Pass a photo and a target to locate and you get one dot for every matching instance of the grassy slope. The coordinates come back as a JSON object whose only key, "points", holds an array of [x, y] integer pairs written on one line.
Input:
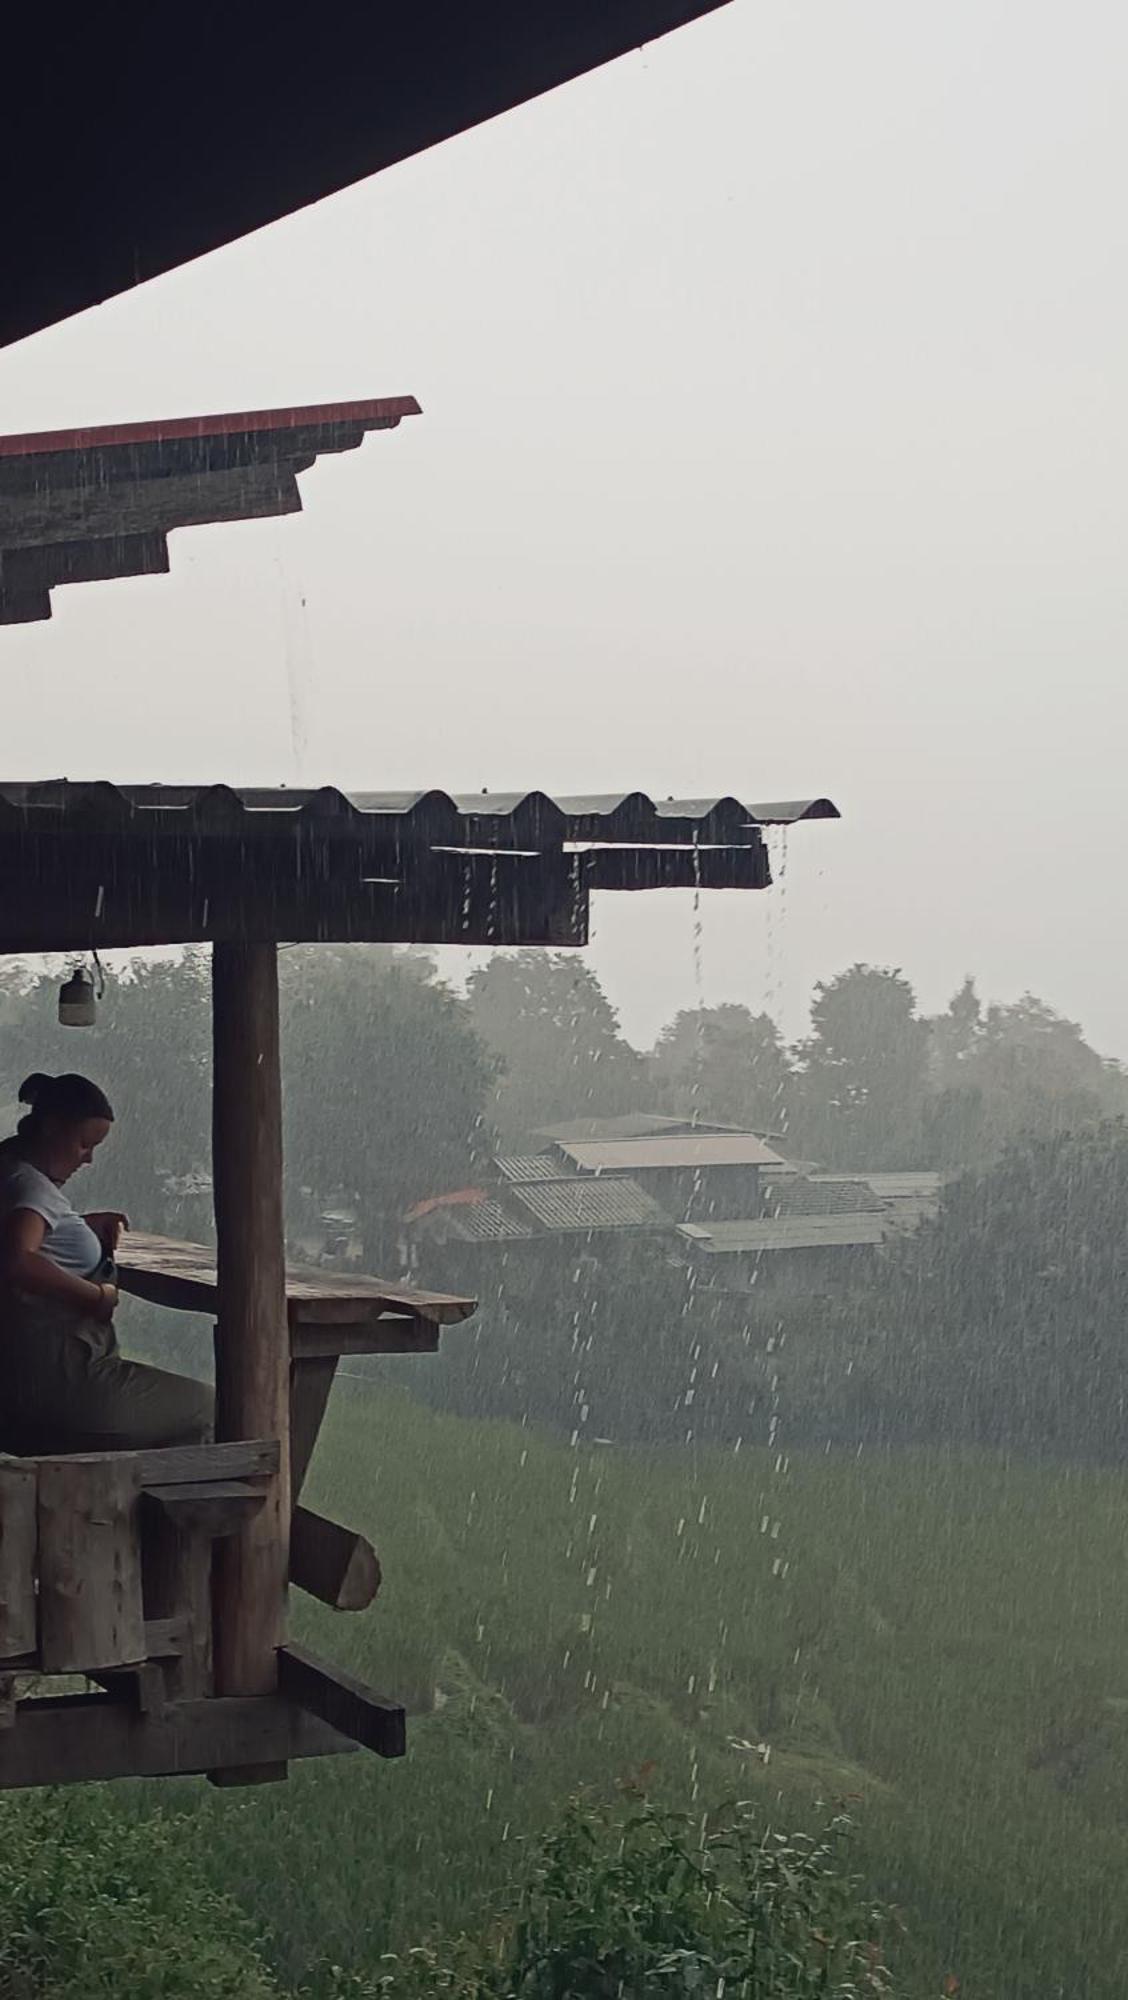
{"points": [[944, 1643]]}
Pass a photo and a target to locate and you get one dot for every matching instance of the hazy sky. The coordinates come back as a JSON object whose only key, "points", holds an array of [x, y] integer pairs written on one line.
{"points": [[774, 442]]}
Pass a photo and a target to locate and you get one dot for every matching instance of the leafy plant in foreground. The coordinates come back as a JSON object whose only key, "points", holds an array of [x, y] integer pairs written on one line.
{"points": [[634, 1902]]}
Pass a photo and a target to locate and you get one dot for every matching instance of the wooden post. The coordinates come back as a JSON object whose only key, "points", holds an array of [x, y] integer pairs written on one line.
{"points": [[252, 1346]]}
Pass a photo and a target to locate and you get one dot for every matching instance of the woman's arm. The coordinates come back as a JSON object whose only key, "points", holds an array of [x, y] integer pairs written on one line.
{"points": [[24, 1267]]}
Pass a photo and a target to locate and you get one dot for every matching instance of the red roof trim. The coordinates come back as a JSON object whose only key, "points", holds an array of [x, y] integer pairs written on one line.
{"points": [[379, 410]]}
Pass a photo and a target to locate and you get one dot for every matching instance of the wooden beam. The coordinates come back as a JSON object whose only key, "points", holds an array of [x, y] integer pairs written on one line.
{"points": [[332, 1563], [344, 1703], [310, 1382], [310, 1339], [17, 1556], [90, 1603], [252, 1336], [245, 1458], [212, 1509], [90, 1738]]}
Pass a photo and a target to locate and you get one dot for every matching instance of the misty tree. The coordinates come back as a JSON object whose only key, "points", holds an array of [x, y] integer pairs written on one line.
{"points": [[723, 1063], [385, 1085], [863, 1072], [1011, 1070], [1006, 1321], [557, 1036]]}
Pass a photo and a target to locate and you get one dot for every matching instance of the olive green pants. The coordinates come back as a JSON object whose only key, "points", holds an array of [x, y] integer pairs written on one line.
{"points": [[64, 1386]]}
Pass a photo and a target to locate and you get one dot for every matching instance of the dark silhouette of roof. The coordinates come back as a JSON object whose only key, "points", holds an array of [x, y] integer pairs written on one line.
{"points": [[131, 143]]}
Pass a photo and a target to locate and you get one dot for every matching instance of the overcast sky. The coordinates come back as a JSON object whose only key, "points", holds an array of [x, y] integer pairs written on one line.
{"points": [[774, 443]]}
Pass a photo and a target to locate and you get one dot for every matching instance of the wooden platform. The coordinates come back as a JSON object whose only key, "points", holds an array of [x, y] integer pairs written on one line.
{"points": [[105, 1576], [109, 1562]]}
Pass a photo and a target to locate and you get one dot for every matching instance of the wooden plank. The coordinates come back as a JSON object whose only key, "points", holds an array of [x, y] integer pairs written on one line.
{"points": [[164, 1640], [90, 1738], [309, 1339], [241, 1458], [252, 1347], [343, 1702], [18, 1535], [333, 1563], [90, 1604], [310, 1383], [183, 1276], [213, 1508]]}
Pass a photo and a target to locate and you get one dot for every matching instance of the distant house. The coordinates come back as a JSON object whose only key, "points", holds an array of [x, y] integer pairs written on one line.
{"points": [[694, 1171], [814, 1228], [724, 1200], [535, 1200], [910, 1198]]}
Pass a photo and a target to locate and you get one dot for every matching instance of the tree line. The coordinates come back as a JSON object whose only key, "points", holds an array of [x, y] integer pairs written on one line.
{"points": [[397, 1088]]}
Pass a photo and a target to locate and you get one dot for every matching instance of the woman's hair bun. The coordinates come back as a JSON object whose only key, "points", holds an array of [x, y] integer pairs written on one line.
{"points": [[69, 1097]]}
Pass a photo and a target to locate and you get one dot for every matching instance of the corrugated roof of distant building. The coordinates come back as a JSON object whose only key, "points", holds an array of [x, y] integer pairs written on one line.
{"points": [[800, 1196], [795, 1232], [582, 1205], [483, 1222], [631, 1125], [688, 1150], [533, 1167], [913, 1186]]}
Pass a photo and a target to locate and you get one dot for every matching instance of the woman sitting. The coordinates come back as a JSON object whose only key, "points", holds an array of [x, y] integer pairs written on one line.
{"points": [[64, 1386]]}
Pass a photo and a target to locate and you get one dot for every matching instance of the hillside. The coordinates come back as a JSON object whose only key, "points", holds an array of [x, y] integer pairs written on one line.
{"points": [[941, 1643]]}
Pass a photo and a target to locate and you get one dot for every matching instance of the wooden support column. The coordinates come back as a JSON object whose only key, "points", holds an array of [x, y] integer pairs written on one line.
{"points": [[252, 1345]]}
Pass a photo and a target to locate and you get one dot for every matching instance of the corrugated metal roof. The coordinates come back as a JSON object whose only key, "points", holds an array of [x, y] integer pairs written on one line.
{"points": [[532, 1167], [919, 1186], [585, 1205], [87, 505], [93, 864], [504, 820], [830, 1197], [709, 1149], [806, 1232], [632, 1125], [484, 1222]]}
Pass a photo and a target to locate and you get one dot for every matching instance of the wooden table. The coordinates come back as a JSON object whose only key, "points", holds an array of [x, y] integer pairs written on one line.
{"points": [[330, 1313]]}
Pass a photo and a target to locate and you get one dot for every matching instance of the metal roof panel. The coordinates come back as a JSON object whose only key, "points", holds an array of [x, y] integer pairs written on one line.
{"points": [[709, 1149]]}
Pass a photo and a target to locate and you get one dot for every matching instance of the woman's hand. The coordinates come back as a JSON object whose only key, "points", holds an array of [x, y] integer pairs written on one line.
{"points": [[107, 1307], [107, 1225]]}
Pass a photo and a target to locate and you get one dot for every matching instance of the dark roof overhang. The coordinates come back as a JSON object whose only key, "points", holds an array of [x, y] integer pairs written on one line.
{"points": [[133, 141], [99, 866], [83, 506]]}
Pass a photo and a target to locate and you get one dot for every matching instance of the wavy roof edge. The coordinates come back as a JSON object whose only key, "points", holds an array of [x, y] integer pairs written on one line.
{"points": [[220, 802]]}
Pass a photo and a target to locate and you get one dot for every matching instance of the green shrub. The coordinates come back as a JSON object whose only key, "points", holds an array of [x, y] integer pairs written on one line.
{"points": [[633, 1902], [95, 1905]]}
